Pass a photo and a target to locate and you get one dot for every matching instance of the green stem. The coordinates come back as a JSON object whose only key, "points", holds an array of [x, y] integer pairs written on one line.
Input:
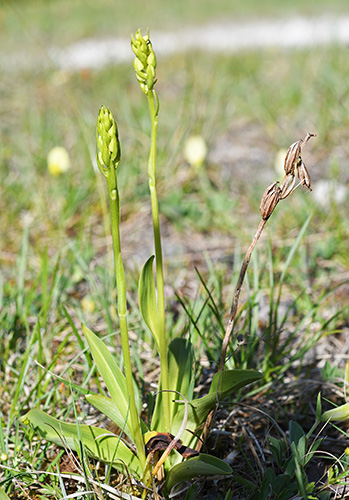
{"points": [[122, 311], [154, 108]]}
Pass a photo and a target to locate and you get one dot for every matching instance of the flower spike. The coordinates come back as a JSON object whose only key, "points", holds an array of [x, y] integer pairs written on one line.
{"points": [[144, 62], [108, 145]]}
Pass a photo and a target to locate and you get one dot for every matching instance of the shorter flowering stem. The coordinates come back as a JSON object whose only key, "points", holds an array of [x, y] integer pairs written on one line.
{"points": [[122, 310], [108, 159]]}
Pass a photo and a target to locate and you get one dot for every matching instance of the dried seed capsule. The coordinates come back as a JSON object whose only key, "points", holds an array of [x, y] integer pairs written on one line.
{"points": [[292, 157], [304, 175], [269, 200], [287, 186]]}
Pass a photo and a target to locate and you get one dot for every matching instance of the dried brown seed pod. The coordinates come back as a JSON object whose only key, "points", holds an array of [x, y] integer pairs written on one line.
{"points": [[287, 186], [292, 157], [304, 175], [269, 200]]}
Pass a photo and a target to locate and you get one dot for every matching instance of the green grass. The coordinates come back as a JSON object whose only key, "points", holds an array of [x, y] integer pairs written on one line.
{"points": [[54, 242], [61, 22]]}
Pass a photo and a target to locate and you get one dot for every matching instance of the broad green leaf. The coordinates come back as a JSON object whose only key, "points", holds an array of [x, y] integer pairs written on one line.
{"points": [[180, 360], [147, 299], [230, 382], [111, 374], [107, 406], [181, 367], [3, 495], [99, 443], [295, 431], [203, 465]]}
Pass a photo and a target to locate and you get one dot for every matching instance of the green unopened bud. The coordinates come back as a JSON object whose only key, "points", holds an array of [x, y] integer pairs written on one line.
{"points": [[339, 414], [144, 62], [151, 60], [108, 145]]}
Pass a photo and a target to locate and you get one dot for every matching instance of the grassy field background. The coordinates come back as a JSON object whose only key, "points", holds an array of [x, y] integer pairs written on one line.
{"points": [[55, 237], [63, 22]]}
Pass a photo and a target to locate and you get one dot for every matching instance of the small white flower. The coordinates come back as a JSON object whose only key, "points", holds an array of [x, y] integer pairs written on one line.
{"points": [[195, 150], [58, 161]]}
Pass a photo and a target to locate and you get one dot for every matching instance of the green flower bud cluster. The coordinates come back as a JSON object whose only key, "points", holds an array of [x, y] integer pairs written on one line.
{"points": [[108, 145], [144, 62]]}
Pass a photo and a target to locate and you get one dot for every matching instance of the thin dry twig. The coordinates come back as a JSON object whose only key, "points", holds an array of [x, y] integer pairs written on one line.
{"points": [[293, 166]]}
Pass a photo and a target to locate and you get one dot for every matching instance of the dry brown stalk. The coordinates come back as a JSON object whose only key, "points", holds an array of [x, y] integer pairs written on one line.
{"points": [[293, 167]]}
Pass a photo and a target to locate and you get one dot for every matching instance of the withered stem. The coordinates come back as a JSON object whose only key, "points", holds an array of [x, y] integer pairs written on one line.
{"points": [[230, 325], [236, 296], [293, 166]]}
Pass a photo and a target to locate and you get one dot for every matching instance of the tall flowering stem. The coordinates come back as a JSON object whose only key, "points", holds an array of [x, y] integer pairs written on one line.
{"points": [[145, 68], [108, 159]]}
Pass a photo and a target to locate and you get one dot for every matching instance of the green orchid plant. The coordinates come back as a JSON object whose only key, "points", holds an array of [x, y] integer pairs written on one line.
{"points": [[167, 442]]}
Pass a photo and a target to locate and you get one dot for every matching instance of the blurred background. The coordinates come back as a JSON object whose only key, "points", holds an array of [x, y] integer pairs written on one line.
{"points": [[245, 78]]}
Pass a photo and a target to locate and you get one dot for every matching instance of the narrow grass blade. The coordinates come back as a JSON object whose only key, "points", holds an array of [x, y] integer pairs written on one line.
{"points": [[212, 303], [288, 262], [77, 335], [194, 320]]}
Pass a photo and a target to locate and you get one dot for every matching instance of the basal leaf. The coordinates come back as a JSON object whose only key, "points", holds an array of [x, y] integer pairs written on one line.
{"points": [[203, 465], [180, 360], [3, 495], [229, 382], [113, 378], [106, 406], [109, 409], [147, 299], [99, 443], [181, 367]]}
